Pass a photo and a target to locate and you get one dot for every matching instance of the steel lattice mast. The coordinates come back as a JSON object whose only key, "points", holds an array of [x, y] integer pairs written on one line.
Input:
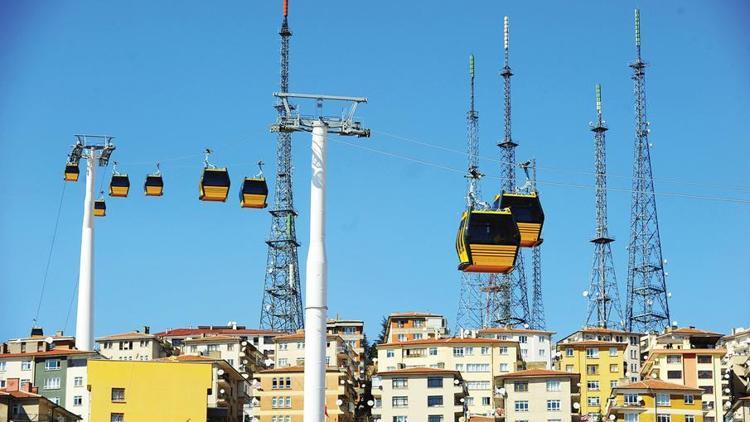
{"points": [[469, 314], [508, 303], [282, 297], [647, 306], [604, 299]]}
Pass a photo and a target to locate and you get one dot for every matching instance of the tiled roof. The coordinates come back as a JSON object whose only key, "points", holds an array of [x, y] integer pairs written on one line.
{"points": [[688, 351], [603, 330], [301, 336], [298, 368], [588, 343], [18, 394], [212, 339], [54, 352], [412, 314], [502, 330], [690, 330], [182, 332], [126, 336], [448, 340], [421, 371], [655, 384], [538, 373]]}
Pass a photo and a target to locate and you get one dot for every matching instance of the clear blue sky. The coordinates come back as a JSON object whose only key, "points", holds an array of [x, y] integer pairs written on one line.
{"points": [[171, 78]]}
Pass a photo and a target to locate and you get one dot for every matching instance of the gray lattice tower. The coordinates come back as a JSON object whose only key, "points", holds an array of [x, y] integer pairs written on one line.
{"points": [[511, 305], [647, 306], [282, 297], [470, 305], [603, 295], [538, 321]]}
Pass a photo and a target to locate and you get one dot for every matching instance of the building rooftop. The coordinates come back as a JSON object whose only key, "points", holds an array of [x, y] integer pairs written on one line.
{"points": [[300, 335], [212, 339], [413, 315], [297, 368], [53, 352], [503, 330], [211, 330], [127, 336], [592, 343], [420, 371], [448, 340], [654, 384], [539, 373], [690, 331]]}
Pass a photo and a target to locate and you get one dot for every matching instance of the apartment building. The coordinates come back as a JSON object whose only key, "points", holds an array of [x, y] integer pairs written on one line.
{"points": [[260, 339], [405, 326], [538, 395], [736, 363], [479, 360], [739, 411], [632, 367], [601, 368], [22, 403], [280, 397], [419, 394], [242, 355], [290, 351], [690, 357], [351, 330], [536, 345], [133, 345], [654, 401]]}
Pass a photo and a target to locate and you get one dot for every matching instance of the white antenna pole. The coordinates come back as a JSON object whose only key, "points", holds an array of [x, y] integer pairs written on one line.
{"points": [[316, 307], [85, 315]]}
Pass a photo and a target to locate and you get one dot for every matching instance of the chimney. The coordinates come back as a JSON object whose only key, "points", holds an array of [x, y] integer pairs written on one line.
{"points": [[11, 384], [59, 333], [37, 331], [27, 388], [146, 329]]}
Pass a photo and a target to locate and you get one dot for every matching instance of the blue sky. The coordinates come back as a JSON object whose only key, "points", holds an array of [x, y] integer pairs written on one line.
{"points": [[169, 79]]}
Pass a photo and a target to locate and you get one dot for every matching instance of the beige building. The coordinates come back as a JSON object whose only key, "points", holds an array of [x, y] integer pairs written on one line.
{"points": [[419, 394], [736, 363], [290, 351], [632, 356], [351, 330], [690, 357], [479, 360], [538, 395], [740, 410], [536, 345], [242, 355], [280, 397], [654, 401], [406, 326], [22, 403], [134, 345], [261, 339]]}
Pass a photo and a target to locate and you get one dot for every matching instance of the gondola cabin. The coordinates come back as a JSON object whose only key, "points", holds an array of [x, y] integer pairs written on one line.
{"points": [[527, 210], [71, 172], [100, 208], [254, 193], [119, 186], [214, 185], [487, 241], [154, 185]]}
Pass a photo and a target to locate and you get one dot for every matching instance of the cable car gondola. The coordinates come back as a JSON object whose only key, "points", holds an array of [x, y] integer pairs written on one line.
{"points": [[528, 213], [487, 241], [71, 172], [154, 185], [214, 184], [100, 208], [254, 192], [119, 185]]}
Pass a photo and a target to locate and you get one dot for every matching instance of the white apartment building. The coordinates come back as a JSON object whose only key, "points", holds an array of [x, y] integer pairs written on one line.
{"points": [[538, 395], [261, 339], [290, 351], [133, 345], [479, 360], [407, 326], [240, 354], [536, 345]]}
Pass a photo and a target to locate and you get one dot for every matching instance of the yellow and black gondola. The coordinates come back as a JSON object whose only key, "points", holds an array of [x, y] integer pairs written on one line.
{"points": [[100, 208], [254, 193], [71, 172], [487, 241], [119, 186], [154, 184], [214, 185], [528, 213]]}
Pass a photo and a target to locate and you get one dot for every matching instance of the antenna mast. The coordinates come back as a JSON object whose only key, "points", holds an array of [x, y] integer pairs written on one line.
{"points": [[470, 301], [603, 294], [511, 308], [647, 306], [281, 309]]}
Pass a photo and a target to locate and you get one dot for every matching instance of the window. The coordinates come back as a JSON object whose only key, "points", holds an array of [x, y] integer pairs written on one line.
{"points": [[283, 362], [2, 366], [613, 383], [553, 385], [399, 383], [553, 405], [633, 354], [400, 401], [117, 417], [520, 386], [630, 399], [592, 385], [484, 350], [434, 382], [283, 346], [674, 359], [592, 369], [417, 336], [689, 418], [55, 400], [458, 352], [77, 400], [485, 401], [613, 351], [478, 385], [592, 353], [689, 399], [705, 375], [230, 347], [704, 358], [707, 389], [460, 367], [593, 401], [522, 339], [633, 341], [569, 368], [503, 350], [274, 383], [663, 418], [118, 394], [419, 323], [634, 368], [468, 351], [542, 353], [541, 339], [288, 402], [390, 353], [2, 383], [402, 337], [521, 405], [614, 368], [433, 351], [503, 367], [400, 419], [435, 418], [469, 401], [631, 417], [524, 353], [434, 401], [674, 375], [662, 399], [569, 351], [478, 367], [52, 383], [26, 365], [230, 362]]}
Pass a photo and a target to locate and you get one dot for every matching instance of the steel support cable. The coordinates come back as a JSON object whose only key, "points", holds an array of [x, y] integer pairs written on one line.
{"points": [[49, 254], [559, 169], [543, 182]]}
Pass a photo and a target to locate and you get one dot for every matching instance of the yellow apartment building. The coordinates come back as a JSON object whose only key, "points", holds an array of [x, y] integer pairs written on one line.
{"points": [[479, 360], [280, 397], [655, 401], [601, 366]]}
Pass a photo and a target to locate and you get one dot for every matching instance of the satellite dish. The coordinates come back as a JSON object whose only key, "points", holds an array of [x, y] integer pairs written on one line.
{"points": [[222, 391], [220, 372], [268, 307], [339, 402], [640, 398], [462, 400], [576, 405], [49, 340], [244, 343], [246, 375], [585, 293], [674, 323], [669, 294], [501, 390], [612, 417], [525, 325], [456, 382]]}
